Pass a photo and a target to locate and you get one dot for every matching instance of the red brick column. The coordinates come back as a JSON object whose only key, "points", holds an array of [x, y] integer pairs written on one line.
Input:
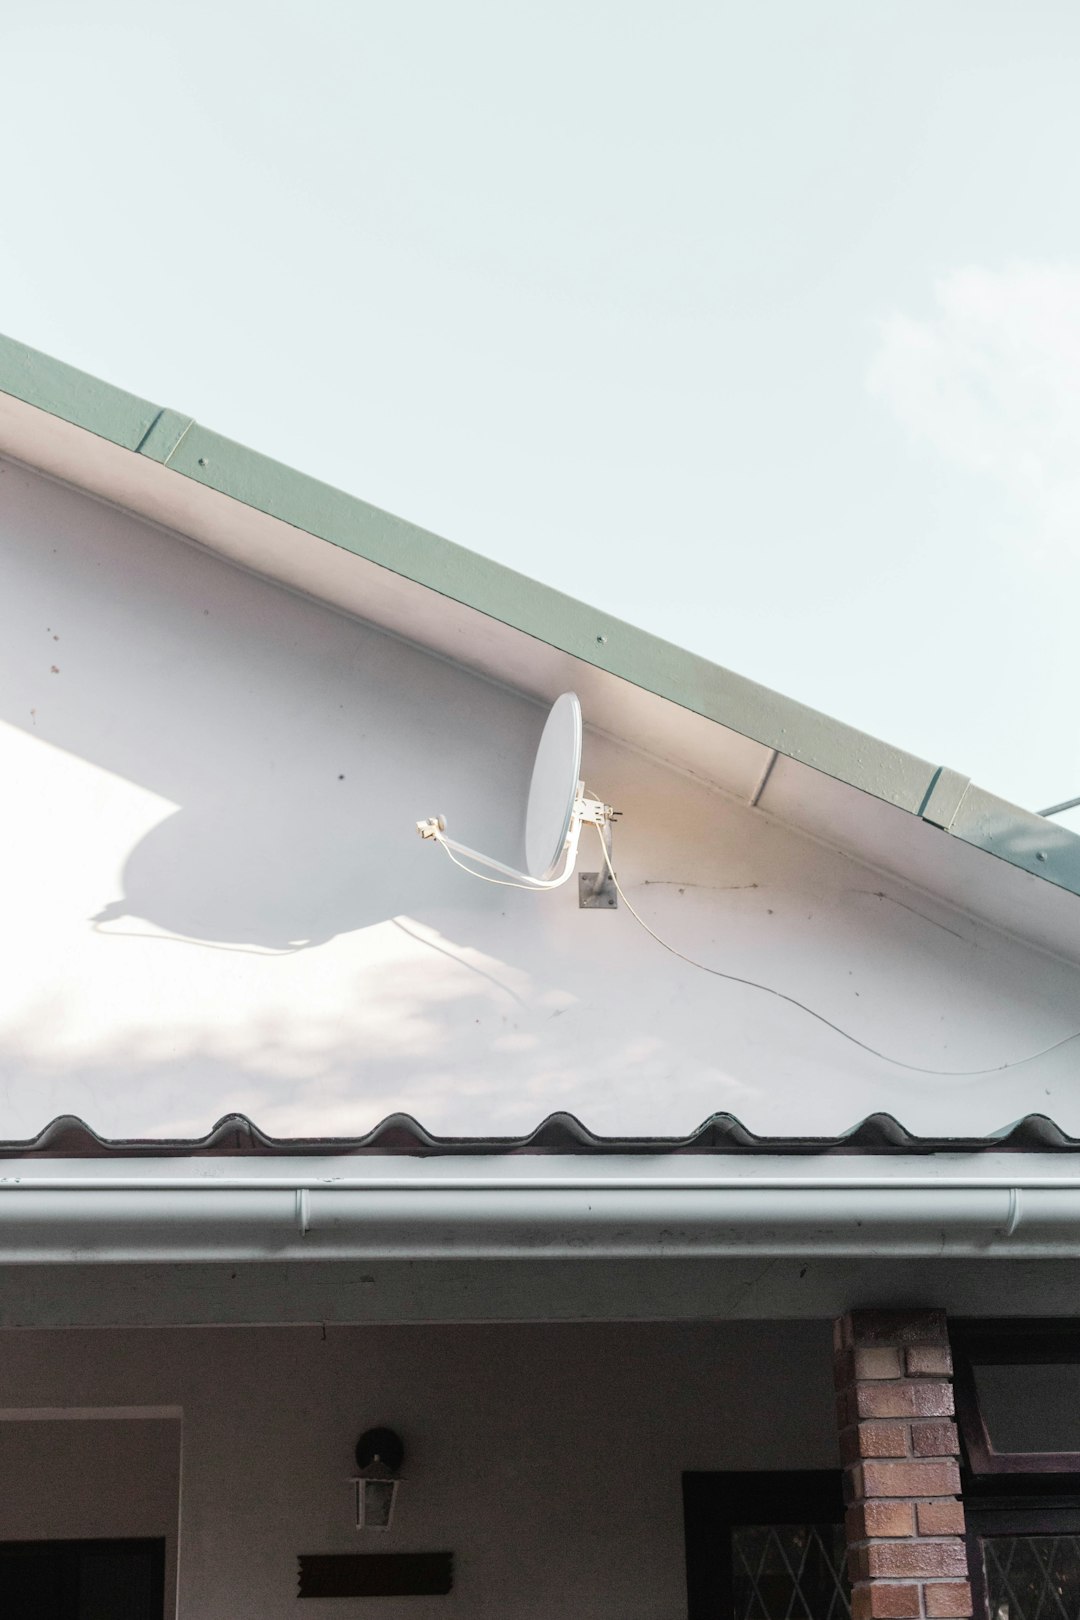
{"points": [[898, 1444]]}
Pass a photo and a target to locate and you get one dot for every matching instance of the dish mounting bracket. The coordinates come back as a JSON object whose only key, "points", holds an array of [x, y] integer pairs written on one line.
{"points": [[596, 891]]}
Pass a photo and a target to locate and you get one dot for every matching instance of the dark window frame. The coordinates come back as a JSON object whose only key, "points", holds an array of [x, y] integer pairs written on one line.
{"points": [[1010, 1493], [716, 1503], [1010, 1343]]}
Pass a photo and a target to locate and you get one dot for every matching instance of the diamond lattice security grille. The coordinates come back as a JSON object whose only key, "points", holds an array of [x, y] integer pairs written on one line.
{"points": [[792, 1572], [1033, 1577]]}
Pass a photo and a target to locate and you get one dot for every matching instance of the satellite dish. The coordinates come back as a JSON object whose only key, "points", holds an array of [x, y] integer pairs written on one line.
{"points": [[554, 787], [557, 807]]}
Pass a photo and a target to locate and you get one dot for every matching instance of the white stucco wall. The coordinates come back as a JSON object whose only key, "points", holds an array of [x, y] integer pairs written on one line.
{"points": [[215, 900], [548, 1459]]}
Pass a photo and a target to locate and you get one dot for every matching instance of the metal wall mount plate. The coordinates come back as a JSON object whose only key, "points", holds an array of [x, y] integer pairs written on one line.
{"points": [[596, 892]]}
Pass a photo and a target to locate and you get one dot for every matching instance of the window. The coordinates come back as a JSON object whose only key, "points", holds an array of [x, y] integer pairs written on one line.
{"points": [[82, 1580], [1018, 1411], [1018, 1396], [766, 1547]]}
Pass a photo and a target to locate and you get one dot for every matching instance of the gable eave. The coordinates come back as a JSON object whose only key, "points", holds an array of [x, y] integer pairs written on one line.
{"points": [[839, 784]]}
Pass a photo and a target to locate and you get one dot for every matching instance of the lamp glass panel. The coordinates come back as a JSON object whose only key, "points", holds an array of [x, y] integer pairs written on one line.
{"points": [[376, 1503]]}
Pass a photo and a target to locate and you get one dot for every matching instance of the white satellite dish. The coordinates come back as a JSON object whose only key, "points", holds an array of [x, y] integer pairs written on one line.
{"points": [[554, 788], [556, 809]]}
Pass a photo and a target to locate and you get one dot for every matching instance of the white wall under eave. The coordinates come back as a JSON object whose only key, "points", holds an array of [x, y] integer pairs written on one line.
{"points": [[214, 898], [547, 1459]]}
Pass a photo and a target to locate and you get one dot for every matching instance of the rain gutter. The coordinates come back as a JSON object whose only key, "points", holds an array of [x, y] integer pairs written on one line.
{"points": [[117, 1219]]}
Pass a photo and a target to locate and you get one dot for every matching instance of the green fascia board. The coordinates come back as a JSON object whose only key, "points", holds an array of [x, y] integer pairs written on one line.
{"points": [[680, 677], [548, 615], [74, 396], [451, 570], [1020, 837]]}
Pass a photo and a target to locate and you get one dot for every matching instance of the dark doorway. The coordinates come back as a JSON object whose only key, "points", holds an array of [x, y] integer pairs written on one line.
{"points": [[82, 1580]]}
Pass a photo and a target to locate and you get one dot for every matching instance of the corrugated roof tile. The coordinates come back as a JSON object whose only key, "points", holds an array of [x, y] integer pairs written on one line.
{"points": [[68, 1137]]}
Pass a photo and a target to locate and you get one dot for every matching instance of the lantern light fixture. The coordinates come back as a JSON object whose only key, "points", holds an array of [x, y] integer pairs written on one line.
{"points": [[379, 1456]]}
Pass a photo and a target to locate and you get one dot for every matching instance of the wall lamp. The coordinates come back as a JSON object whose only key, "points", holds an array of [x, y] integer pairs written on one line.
{"points": [[379, 1455]]}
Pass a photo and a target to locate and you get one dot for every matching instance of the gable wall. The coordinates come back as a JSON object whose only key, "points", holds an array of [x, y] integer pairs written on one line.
{"points": [[216, 899]]}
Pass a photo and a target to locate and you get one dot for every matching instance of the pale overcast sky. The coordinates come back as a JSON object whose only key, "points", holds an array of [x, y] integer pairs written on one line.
{"points": [[755, 324]]}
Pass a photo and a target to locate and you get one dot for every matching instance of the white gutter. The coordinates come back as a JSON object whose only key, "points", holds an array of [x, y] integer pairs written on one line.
{"points": [[431, 1213]]}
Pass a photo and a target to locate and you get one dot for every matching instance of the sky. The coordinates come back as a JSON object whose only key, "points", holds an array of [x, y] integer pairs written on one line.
{"points": [[757, 325]]}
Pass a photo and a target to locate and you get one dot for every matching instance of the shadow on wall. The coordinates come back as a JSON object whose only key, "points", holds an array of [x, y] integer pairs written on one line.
{"points": [[300, 746], [278, 874]]}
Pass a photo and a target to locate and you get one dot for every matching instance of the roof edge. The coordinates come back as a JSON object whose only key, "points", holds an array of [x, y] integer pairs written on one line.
{"points": [[176, 442]]}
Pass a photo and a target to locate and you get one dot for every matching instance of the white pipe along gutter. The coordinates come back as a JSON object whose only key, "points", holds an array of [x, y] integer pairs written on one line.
{"points": [[432, 1213]]}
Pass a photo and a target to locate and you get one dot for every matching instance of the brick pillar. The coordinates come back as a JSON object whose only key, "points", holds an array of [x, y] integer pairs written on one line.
{"points": [[898, 1444]]}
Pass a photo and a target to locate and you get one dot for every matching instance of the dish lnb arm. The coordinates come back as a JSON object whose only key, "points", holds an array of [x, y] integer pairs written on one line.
{"points": [[435, 828], [585, 809]]}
